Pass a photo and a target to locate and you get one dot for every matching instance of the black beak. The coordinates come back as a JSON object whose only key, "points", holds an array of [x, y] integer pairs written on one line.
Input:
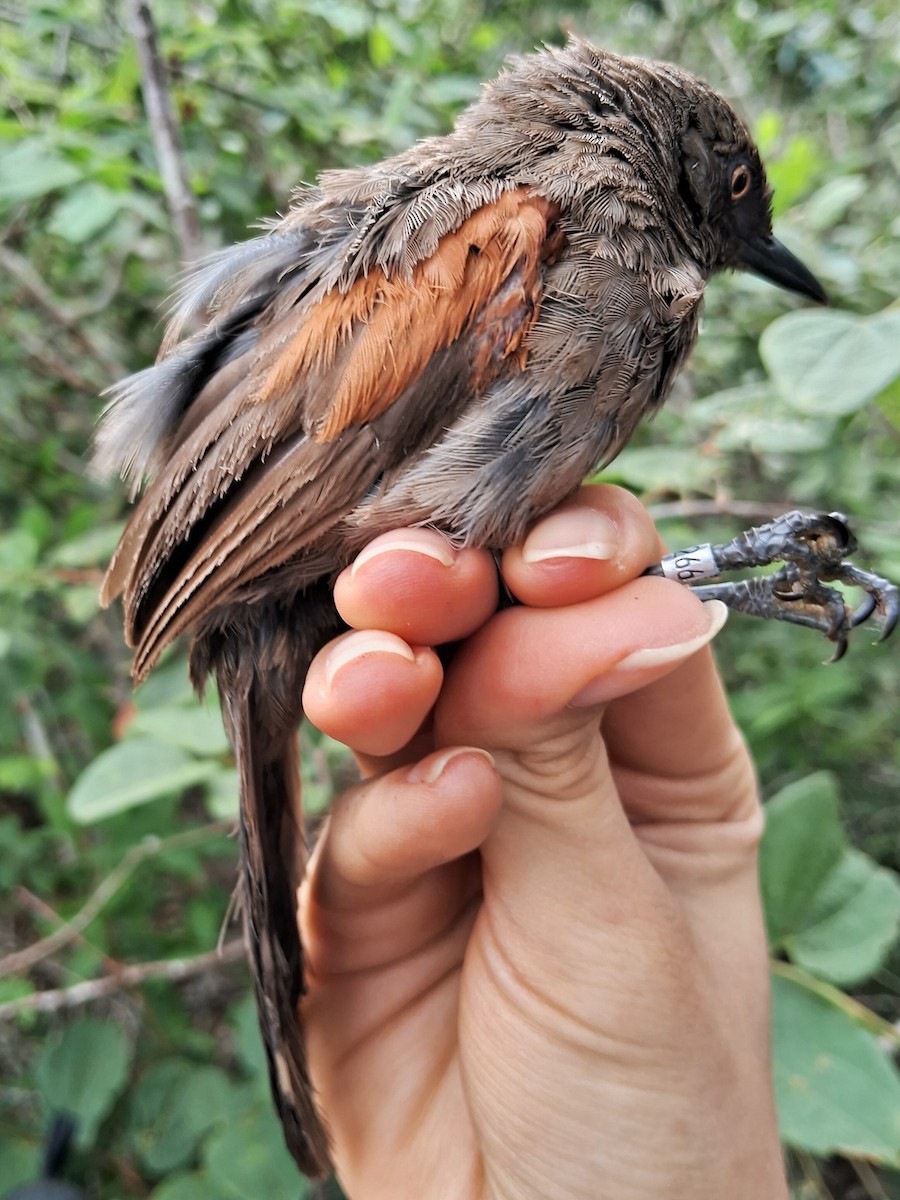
{"points": [[767, 257]]}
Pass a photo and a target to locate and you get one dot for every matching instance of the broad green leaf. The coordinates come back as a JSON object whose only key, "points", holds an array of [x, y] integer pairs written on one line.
{"points": [[836, 1089], [81, 601], [774, 434], [802, 844], [167, 685], [663, 469], [198, 729], [792, 171], [32, 169], [888, 402], [247, 1038], [89, 549], [83, 1070], [828, 205], [191, 1185], [249, 1158], [172, 1107], [84, 212], [853, 922], [19, 550], [222, 795], [832, 362], [20, 1162], [133, 772], [381, 48]]}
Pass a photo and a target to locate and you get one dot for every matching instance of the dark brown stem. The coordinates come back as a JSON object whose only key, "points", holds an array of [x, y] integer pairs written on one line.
{"points": [[164, 131]]}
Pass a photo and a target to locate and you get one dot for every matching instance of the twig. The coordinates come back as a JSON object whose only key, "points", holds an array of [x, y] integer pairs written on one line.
{"points": [[869, 1179], [78, 33], [739, 83], [690, 509], [68, 317], [23, 960], [748, 510], [858, 1013], [42, 909], [174, 969], [37, 739], [164, 131], [43, 361], [813, 1174]]}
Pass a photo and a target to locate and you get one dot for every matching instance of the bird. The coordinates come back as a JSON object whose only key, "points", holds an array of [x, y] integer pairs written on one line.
{"points": [[454, 337]]}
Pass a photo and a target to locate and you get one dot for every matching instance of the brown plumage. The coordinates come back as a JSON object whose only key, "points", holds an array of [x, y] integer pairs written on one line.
{"points": [[453, 337]]}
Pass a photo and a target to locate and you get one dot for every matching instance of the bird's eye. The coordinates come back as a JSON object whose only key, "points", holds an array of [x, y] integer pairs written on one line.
{"points": [[740, 182]]}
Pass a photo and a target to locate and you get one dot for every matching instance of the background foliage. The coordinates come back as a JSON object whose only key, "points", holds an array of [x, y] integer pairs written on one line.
{"points": [[113, 845]]}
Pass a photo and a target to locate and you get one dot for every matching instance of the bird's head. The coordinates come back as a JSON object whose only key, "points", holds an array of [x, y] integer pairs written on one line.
{"points": [[585, 120], [723, 184]]}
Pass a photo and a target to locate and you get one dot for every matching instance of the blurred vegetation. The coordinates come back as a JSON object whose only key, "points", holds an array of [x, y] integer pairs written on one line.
{"points": [[113, 814]]}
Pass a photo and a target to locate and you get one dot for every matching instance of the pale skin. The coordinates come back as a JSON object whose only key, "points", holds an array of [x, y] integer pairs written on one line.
{"points": [[540, 972]]}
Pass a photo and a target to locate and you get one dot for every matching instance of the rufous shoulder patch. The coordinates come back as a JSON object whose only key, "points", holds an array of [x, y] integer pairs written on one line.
{"points": [[484, 278]]}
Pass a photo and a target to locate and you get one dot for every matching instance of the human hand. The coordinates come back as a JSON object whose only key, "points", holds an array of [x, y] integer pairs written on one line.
{"points": [[540, 973]]}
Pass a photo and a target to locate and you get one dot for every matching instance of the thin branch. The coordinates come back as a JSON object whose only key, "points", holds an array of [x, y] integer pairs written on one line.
{"points": [[173, 969], [43, 361], [68, 317], [23, 960], [79, 33], [858, 1013], [744, 510], [740, 84], [42, 909], [164, 131], [869, 1179], [748, 510]]}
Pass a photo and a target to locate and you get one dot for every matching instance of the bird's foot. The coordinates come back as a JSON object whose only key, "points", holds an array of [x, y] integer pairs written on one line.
{"points": [[811, 548]]}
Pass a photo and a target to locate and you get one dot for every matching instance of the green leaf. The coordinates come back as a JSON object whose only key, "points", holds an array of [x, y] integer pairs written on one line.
{"points": [[222, 795], [84, 212], [774, 434], [81, 601], [197, 729], [133, 772], [167, 685], [247, 1039], [802, 844], [829, 204], [833, 910], [19, 1162], [249, 1158], [662, 469], [32, 169], [835, 1089], [888, 403], [832, 363], [381, 48], [853, 922], [83, 1070], [173, 1106], [88, 549], [191, 1185]]}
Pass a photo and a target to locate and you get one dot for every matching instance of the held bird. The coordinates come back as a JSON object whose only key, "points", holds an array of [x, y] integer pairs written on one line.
{"points": [[453, 337]]}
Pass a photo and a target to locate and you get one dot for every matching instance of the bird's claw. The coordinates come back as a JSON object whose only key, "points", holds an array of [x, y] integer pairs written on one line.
{"points": [[811, 549]]}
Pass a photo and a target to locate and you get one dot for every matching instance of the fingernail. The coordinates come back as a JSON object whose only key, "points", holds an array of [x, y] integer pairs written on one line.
{"points": [[658, 656], [576, 533], [430, 769], [409, 542], [608, 686], [358, 645]]}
